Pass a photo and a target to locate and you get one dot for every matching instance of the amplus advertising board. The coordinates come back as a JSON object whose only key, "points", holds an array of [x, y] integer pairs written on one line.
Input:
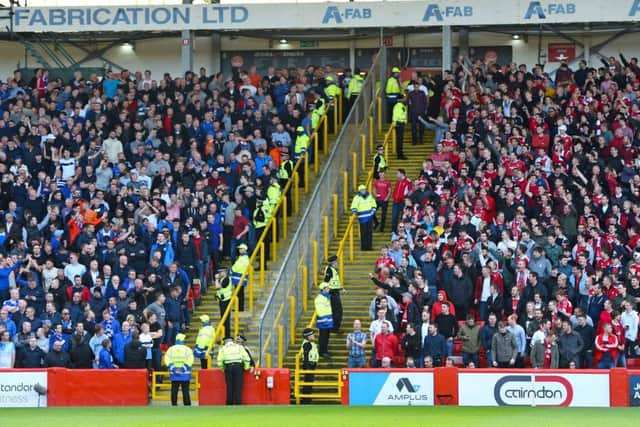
{"points": [[533, 388], [391, 388]]}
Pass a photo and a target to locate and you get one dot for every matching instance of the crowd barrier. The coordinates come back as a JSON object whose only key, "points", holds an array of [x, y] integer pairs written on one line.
{"points": [[491, 387], [73, 387], [263, 387]]}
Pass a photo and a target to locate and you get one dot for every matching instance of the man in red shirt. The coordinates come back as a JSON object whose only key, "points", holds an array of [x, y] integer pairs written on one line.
{"points": [[540, 139], [401, 191], [240, 230], [386, 344], [382, 192]]}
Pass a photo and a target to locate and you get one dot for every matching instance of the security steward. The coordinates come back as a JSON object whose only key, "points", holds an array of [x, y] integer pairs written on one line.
{"points": [[393, 90], [332, 277], [261, 216], [224, 292], [233, 360], [285, 173], [299, 150], [203, 340], [324, 318], [364, 205], [399, 121], [379, 162], [179, 359], [310, 357], [316, 116], [355, 87], [332, 91], [241, 341], [237, 270]]}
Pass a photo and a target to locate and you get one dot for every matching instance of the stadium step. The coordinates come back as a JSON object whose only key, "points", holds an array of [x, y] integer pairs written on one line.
{"points": [[208, 304], [360, 290]]}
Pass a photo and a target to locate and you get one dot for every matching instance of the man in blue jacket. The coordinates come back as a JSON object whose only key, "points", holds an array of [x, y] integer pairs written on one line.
{"points": [[434, 345]]}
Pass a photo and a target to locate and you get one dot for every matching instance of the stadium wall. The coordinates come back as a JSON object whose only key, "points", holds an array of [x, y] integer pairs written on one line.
{"points": [[163, 54]]}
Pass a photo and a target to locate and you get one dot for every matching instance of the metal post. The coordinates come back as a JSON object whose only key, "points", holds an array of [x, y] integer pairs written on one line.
{"points": [[446, 47], [463, 42], [187, 47], [216, 52], [587, 49], [382, 67], [352, 49]]}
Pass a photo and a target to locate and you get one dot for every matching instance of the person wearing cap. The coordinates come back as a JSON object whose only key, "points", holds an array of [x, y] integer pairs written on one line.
{"points": [[239, 268], [382, 193], [284, 173], [354, 88], [310, 358], [300, 149], [241, 341], [332, 277], [332, 91], [233, 360], [418, 103], [379, 162], [324, 318], [261, 217], [393, 90], [364, 205], [203, 340], [399, 119], [224, 292], [179, 360]]}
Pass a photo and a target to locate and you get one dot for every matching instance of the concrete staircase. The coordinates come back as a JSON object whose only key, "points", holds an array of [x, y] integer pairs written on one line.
{"points": [[247, 320], [360, 290]]}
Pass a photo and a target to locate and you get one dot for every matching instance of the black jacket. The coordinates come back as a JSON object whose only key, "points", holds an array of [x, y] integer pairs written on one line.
{"points": [[460, 291], [134, 355], [82, 356], [57, 359], [31, 358], [412, 346]]}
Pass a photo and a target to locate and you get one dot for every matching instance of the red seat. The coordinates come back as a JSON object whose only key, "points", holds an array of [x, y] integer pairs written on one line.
{"points": [[633, 363]]}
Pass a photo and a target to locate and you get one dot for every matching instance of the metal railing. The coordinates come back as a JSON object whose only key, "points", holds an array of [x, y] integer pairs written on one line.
{"points": [[278, 223], [161, 386], [330, 199]]}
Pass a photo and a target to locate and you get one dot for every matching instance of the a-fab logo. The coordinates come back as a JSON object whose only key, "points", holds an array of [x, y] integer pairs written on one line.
{"points": [[539, 10], [539, 390], [436, 13], [635, 8], [340, 15]]}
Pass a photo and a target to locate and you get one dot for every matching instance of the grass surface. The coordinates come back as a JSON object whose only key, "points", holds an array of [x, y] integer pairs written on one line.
{"points": [[324, 416]]}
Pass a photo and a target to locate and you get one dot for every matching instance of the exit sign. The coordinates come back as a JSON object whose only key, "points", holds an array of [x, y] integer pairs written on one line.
{"points": [[387, 41], [309, 43]]}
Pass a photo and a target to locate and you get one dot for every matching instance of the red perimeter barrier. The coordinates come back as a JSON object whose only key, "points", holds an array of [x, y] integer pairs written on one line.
{"points": [[97, 387], [213, 388]]}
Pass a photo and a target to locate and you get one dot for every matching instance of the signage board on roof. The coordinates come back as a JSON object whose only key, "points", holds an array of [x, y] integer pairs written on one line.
{"points": [[322, 15]]}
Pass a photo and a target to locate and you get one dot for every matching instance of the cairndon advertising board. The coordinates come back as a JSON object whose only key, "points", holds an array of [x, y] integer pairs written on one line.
{"points": [[391, 388], [533, 388], [18, 389]]}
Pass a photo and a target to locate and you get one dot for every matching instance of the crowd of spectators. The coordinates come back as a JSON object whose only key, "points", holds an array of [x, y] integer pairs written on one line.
{"points": [[118, 191], [519, 242]]}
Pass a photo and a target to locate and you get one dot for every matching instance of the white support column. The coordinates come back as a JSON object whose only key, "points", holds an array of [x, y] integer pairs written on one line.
{"points": [[216, 53], [186, 53], [352, 50], [446, 47], [587, 50]]}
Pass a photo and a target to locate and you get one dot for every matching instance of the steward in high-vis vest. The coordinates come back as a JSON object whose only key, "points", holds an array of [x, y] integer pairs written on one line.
{"points": [[299, 150], [237, 270], [285, 171], [332, 277], [379, 162], [233, 360], [203, 340], [333, 92], [355, 87], [179, 359], [261, 217], [324, 318], [310, 357], [316, 116], [224, 292], [393, 90], [364, 205], [399, 121]]}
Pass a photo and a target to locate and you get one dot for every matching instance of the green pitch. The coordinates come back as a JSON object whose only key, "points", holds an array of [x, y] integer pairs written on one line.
{"points": [[324, 416]]}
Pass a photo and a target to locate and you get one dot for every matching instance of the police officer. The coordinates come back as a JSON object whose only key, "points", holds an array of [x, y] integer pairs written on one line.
{"points": [[179, 359], [355, 87], [399, 121], [203, 340], [332, 277], [364, 205], [332, 91], [299, 150], [310, 357], [393, 90], [224, 292], [241, 341], [324, 318], [316, 115], [233, 360], [285, 173], [261, 216], [379, 162], [239, 267]]}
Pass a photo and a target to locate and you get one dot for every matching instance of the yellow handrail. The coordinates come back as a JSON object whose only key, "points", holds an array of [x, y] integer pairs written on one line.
{"points": [[220, 329]]}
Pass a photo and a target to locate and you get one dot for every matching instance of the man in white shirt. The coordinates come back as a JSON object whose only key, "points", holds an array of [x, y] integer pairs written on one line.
{"points": [[629, 320]]}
